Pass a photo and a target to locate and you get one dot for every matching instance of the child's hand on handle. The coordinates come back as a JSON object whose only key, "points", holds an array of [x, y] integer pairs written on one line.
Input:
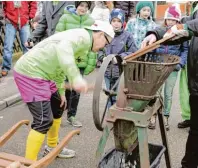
{"points": [[150, 39]]}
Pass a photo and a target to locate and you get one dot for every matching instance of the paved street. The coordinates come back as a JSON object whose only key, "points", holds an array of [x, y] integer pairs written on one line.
{"points": [[85, 144]]}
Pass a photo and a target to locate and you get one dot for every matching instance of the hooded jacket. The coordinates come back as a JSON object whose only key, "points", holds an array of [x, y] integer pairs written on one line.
{"points": [[123, 44], [70, 20]]}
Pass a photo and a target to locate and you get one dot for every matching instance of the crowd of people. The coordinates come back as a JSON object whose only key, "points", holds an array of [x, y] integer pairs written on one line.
{"points": [[63, 40]]}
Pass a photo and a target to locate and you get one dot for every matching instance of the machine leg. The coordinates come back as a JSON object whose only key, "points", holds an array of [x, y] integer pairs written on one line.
{"points": [[164, 138], [103, 141], [143, 147]]}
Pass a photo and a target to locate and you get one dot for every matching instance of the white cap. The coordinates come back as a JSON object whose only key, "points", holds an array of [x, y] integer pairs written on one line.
{"points": [[102, 26]]}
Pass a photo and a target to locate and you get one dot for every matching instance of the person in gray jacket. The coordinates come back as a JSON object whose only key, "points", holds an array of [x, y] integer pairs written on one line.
{"points": [[51, 13]]}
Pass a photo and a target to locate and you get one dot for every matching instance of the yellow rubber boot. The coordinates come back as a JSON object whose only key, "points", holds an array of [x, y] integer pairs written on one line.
{"points": [[52, 134], [34, 142]]}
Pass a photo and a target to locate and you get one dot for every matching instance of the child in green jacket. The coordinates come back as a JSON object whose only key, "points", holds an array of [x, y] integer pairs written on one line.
{"points": [[77, 18]]}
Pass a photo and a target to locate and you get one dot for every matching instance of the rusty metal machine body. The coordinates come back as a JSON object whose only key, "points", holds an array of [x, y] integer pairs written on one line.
{"points": [[137, 101]]}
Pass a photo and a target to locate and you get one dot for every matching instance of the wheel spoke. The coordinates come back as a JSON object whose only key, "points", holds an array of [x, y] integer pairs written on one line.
{"points": [[105, 110]]}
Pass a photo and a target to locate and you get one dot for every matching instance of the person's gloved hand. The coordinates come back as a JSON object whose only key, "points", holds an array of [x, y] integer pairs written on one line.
{"points": [[179, 30], [150, 39], [178, 67]]}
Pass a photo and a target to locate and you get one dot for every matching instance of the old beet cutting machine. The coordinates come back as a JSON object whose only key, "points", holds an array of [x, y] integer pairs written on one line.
{"points": [[137, 100]]}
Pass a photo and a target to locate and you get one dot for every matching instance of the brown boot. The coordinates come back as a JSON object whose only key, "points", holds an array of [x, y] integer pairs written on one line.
{"points": [[4, 73]]}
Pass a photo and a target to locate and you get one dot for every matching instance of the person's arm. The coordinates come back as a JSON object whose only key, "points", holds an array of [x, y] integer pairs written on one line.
{"points": [[193, 26], [67, 63], [159, 33], [60, 83], [61, 25], [32, 9], [185, 19], [184, 52], [130, 47], [41, 27]]}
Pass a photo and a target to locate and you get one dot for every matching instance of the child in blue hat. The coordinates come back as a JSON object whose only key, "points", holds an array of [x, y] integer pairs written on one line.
{"points": [[122, 45]]}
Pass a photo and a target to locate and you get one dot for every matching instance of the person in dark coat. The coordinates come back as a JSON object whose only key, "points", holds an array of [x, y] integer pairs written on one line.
{"points": [[127, 6], [184, 32], [123, 44], [51, 13]]}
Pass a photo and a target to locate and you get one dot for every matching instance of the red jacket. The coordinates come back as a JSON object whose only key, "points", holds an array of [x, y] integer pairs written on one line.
{"points": [[20, 16]]}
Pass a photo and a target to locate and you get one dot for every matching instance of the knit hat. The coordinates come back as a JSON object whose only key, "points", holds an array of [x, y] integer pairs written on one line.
{"points": [[142, 4], [173, 12], [77, 3], [117, 13]]}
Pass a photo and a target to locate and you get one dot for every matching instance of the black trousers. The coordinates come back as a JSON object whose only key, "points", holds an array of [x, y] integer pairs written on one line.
{"points": [[44, 112], [190, 159], [72, 98]]}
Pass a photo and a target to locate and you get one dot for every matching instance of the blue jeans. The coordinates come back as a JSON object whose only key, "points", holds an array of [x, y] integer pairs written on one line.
{"points": [[109, 84], [168, 92], [10, 34]]}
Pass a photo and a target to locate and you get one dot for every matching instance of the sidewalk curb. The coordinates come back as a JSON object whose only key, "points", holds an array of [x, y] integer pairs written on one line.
{"points": [[16, 97], [10, 101]]}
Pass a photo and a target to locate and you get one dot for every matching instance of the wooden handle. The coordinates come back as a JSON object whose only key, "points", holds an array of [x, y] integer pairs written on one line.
{"points": [[14, 165], [147, 49], [5, 137]]}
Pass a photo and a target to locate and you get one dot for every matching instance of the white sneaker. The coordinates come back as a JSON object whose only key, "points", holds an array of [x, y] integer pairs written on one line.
{"points": [[65, 153], [74, 122]]}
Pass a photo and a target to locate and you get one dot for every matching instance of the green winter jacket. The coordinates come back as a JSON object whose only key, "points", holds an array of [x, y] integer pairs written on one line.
{"points": [[70, 20], [54, 58]]}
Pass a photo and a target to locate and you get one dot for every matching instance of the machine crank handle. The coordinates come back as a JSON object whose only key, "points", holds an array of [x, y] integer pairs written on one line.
{"points": [[109, 92]]}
